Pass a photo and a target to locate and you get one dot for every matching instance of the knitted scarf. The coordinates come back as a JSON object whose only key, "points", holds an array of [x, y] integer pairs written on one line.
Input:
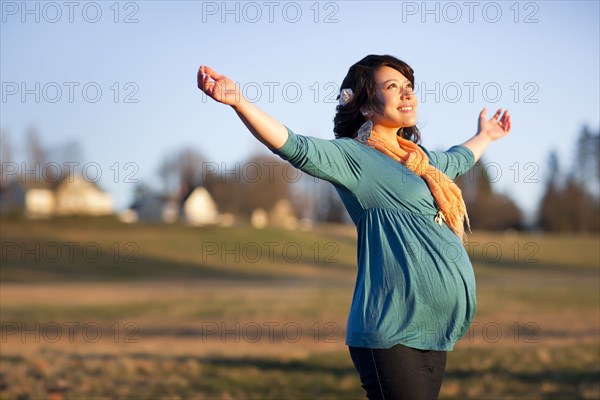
{"points": [[447, 195]]}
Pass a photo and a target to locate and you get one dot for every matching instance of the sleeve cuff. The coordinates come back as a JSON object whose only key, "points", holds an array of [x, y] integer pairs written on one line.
{"points": [[288, 147], [467, 152]]}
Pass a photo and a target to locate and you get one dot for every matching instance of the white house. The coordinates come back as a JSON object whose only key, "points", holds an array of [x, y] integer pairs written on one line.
{"points": [[73, 195], [78, 196], [39, 203], [199, 208]]}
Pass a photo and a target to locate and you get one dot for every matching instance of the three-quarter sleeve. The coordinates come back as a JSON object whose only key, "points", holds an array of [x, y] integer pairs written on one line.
{"points": [[335, 161], [453, 162]]}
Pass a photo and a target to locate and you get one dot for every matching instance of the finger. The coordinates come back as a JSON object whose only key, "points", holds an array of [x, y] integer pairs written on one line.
{"points": [[206, 86], [210, 72], [203, 80], [506, 124], [209, 87], [203, 85], [200, 77], [497, 114], [483, 112]]}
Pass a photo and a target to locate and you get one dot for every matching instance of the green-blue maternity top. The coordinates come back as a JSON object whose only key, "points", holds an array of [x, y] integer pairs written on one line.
{"points": [[415, 283]]}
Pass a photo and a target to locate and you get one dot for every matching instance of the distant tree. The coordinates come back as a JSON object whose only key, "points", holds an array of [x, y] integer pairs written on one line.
{"points": [[36, 158], [225, 191], [581, 170], [36, 154], [317, 200], [329, 205], [240, 188], [69, 155], [549, 210], [51, 164], [140, 191], [304, 196], [487, 210], [586, 166], [577, 205], [264, 182], [6, 157], [571, 203], [182, 171]]}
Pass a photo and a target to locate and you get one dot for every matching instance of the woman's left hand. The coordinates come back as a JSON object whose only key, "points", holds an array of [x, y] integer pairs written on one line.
{"points": [[496, 127]]}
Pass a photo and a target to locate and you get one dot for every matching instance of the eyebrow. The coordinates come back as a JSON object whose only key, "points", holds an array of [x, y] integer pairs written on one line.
{"points": [[389, 80]]}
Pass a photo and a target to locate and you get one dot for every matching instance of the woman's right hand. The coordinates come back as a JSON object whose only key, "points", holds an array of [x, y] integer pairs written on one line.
{"points": [[219, 87], [222, 89]]}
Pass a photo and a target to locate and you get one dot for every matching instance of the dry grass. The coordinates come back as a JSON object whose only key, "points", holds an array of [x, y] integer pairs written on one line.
{"points": [[209, 335]]}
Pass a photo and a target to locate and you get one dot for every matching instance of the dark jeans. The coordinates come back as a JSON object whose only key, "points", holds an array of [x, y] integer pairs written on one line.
{"points": [[399, 372]]}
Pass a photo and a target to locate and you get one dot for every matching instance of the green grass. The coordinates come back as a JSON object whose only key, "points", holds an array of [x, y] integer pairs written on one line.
{"points": [[79, 250], [166, 305]]}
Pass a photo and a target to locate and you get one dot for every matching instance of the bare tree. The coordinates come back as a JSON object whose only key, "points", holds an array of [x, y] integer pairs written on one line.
{"points": [[182, 171], [263, 182], [6, 158]]}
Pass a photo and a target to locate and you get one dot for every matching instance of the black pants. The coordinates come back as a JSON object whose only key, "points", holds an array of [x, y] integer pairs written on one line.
{"points": [[399, 372]]}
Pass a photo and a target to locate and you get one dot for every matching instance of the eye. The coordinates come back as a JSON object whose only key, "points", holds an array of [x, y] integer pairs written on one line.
{"points": [[393, 85]]}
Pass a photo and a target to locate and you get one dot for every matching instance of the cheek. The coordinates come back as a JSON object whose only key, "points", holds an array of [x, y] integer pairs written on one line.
{"points": [[391, 105]]}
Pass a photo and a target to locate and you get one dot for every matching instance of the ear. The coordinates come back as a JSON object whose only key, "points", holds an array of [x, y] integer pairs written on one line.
{"points": [[366, 112]]}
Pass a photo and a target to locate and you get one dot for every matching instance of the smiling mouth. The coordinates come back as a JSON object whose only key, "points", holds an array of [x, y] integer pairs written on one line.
{"points": [[406, 108]]}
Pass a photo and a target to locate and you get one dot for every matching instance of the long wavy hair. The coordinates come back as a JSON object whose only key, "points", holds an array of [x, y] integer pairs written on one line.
{"points": [[361, 79]]}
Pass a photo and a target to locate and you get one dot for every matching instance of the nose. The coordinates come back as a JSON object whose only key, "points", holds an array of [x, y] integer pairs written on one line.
{"points": [[407, 92]]}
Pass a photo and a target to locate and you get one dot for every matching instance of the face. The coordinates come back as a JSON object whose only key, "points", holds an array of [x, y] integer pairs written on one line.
{"points": [[398, 102]]}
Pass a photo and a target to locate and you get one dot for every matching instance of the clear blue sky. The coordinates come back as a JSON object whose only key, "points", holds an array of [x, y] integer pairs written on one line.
{"points": [[539, 59]]}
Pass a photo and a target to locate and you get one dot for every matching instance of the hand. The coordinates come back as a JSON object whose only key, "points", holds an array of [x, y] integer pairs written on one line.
{"points": [[218, 87], [496, 127]]}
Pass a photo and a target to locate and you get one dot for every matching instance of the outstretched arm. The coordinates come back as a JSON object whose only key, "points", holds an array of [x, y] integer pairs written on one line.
{"points": [[488, 131], [222, 89]]}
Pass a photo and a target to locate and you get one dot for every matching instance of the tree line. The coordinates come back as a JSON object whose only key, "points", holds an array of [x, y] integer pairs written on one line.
{"points": [[570, 200]]}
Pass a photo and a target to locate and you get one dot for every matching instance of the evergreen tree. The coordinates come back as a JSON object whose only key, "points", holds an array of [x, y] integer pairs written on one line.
{"points": [[571, 204], [487, 209]]}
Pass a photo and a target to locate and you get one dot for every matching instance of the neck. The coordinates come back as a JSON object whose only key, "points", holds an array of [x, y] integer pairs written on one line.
{"points": [[389, 135]]}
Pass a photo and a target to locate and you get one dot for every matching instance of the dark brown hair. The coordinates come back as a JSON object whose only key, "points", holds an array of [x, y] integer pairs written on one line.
{"points": [[361, 79]]}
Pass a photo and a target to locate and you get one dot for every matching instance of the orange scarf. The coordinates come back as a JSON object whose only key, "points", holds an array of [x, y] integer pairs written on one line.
{"points": [[447, 195]]}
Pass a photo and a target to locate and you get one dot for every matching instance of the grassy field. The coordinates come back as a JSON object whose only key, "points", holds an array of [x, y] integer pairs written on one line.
{"points": [[96, 309]]}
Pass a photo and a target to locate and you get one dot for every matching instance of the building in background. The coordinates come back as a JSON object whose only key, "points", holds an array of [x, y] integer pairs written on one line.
{"points": [[71, 195], [198, 208], [151, 207], [195, 207]]}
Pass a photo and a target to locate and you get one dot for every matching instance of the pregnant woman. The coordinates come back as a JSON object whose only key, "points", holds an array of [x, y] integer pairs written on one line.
{"points": [[415, 288]]}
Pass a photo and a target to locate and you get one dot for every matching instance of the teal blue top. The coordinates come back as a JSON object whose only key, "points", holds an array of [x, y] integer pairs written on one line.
{"points": [[415, 283]]}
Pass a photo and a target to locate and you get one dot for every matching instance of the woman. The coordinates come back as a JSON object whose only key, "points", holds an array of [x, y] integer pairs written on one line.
{"points": [[415, 288]]}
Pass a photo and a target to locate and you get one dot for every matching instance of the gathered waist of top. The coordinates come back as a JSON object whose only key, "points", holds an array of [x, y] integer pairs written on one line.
{"points": [[367, 211]]}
